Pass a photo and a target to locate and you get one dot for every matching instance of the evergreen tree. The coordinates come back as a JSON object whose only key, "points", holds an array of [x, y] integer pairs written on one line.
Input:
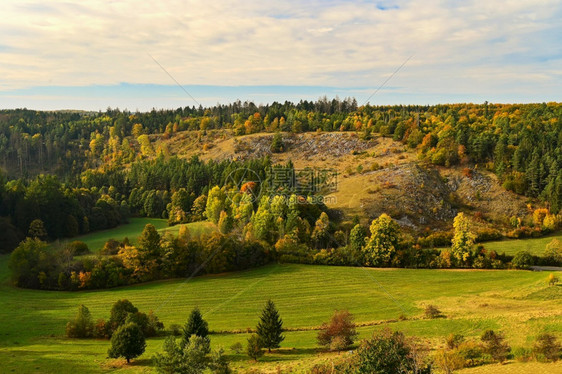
{"points": [[277, 145], [195, 325], [270, 327], [149, 241], [254, 348]]}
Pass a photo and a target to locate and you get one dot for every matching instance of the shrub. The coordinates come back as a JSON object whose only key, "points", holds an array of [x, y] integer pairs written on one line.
{"points": [[552, 279], [189, 359], [101, 330], [254, 349], [522, 354], [82, 326], [79, 248], [111, 247], [237, 348], [547, 348], [432, 312], [387, 352], [341, 327], [175, 329], [495, 345], [454, 340], [522, 260], [449, 361]]}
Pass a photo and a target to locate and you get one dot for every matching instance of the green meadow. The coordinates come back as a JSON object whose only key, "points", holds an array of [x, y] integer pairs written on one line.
{"points": [[519, 303], [133, 229]]}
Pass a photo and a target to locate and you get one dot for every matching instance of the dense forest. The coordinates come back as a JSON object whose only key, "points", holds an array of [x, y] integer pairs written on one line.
{"points": [[78, 172]]}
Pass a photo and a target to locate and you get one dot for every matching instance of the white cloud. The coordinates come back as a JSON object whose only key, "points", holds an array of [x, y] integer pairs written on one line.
{"points": [[477, 47]]}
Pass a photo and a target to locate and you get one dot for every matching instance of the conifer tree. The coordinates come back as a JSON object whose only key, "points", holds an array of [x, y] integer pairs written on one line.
{"points": [[195, 325], [270, 327]]}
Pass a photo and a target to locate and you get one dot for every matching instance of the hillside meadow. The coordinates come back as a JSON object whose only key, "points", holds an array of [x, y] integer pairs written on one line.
{"points": [[519, 303]]}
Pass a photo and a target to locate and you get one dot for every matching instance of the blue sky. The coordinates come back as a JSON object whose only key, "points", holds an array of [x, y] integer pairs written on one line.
{"points": [[128, 54]]}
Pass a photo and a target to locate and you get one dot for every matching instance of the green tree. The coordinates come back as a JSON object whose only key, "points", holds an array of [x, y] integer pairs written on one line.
{"points": [[195, 325], [225, 223], [522, 260], [277, 145], [321, 232], [28, 261], [263, 224], [383, 242], [149, 241], [216, 203], [190, 358], [37, 230], [254, 349], [119, 313], [386, 352], [553, 251], [128, 342], [463, 240], [357, 237], [270, 327], [82, 326]]}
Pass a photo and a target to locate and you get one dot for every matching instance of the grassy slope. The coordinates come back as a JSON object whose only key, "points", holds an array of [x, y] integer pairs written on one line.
{"points": [[33, 321], [511, 247]]}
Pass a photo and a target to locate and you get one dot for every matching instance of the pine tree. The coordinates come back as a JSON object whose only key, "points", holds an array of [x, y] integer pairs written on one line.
{"points": [[195, 325], [270, 327]]}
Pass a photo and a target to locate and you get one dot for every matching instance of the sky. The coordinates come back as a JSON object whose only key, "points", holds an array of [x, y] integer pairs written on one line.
{"points": [[135, 55]]}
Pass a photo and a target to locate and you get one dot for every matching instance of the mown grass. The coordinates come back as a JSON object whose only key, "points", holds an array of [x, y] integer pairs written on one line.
{"points": [[535, 246], [31, 338], [133, 229]]}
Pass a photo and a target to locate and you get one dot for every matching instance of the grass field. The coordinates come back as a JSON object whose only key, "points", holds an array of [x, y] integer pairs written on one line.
{"points": [[133, 229], [535, 246], [518, 303]]}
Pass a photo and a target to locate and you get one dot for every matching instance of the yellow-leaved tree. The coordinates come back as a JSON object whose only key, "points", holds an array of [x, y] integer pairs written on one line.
{"points": [[463, 240]]}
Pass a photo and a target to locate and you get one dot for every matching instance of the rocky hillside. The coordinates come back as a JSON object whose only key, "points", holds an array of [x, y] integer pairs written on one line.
{"points": [[375, 176]]}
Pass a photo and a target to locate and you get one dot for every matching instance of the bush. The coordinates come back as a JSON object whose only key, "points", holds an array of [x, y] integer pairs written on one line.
{"points": [[522, 260], [237, 348], [175, 329], [253, 349], [495, 345], [522, 354], [79, 248], [432, 312], [454, 340], [387, 352], [101, 330], [547, 348], [82, 326], [341, 328], [111, 247]]}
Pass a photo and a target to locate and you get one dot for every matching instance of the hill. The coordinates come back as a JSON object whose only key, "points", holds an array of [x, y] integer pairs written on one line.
{"points": [[375, 176]]}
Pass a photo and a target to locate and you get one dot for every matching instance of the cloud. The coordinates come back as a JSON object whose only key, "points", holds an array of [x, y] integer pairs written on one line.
{"points": [[470, 47]]}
